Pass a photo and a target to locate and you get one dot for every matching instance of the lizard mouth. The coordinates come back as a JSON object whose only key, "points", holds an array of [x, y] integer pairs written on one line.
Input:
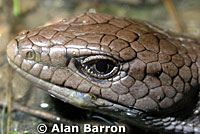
{"points": [[68, 95]]}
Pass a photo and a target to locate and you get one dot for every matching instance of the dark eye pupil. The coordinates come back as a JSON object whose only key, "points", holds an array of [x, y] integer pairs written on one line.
{"points": [[103, 66]]}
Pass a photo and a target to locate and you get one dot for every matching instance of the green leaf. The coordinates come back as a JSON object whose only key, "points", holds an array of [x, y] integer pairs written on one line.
{"points": [[16, 7]]}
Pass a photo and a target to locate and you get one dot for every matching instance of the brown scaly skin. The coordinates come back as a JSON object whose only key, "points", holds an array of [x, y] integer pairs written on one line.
{"points": [[149, 76]]}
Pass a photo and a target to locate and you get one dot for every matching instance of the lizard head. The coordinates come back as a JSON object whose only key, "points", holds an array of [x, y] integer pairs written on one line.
{"points": [[95, 61]]}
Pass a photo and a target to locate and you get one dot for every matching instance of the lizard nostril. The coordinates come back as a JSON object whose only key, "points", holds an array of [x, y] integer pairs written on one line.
{"points": [[30, 55], [12, 49]]}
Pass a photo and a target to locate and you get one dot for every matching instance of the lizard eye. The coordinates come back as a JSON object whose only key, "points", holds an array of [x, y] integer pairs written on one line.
{"points": [[100, 67]]}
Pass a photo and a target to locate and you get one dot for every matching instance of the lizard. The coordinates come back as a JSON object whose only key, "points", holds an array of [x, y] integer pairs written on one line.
{"points": [[126, 68]]}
